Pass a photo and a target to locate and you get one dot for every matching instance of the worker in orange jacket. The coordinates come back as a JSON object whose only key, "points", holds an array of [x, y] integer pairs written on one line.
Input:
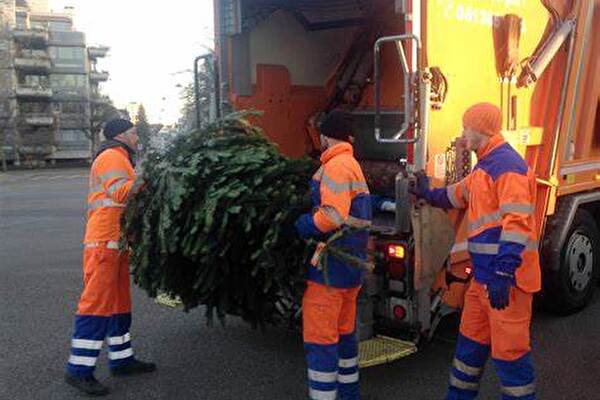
{"points": [[499, 196], [340, 198], [104, 309]]}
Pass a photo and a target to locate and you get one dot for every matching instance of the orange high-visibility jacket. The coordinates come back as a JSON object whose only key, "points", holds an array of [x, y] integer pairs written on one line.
{"points": [[340, 196], [110, 183], [500, 199]]}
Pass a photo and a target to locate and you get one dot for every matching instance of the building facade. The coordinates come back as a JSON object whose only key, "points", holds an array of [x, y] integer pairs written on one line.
{"points": [[50, 85]]}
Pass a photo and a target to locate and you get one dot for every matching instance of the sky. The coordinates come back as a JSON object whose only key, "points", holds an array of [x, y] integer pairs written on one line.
{"points": [[151, 43]]}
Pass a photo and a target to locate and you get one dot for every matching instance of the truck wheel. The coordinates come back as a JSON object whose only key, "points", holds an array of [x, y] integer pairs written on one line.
{"points": [[570, 288]]}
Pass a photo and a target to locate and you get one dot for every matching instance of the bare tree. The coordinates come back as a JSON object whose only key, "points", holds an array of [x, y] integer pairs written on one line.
{"points": [[102, 112]]}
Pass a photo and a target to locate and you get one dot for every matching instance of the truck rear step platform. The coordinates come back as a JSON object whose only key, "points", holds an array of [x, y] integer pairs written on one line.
{"points": [[383, 349], [376, 351]]}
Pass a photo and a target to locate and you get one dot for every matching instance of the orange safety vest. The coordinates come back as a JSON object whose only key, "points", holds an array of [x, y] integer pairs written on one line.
{"points": [[111, 179], [500, 198], [340, 196]]}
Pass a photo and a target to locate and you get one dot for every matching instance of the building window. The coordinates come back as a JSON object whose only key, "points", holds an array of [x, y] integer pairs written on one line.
{"points": [[37, 25], [35, 80], [71, 135], [72, 108], [71, 53], [69, 56], [21, 22], [60, 26], [68, 81], [33, 107]]}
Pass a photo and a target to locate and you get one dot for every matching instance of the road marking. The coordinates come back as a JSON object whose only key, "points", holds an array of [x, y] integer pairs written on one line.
{"points": [[36, 178]]}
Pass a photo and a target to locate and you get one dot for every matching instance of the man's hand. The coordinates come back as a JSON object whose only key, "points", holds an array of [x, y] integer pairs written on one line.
{"points": [[499, 290], [421, 186]]}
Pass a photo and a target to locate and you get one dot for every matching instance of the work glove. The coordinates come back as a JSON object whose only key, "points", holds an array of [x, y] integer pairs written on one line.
{"points": [[305, 226], [421, 186], [499, 290], [388, 206], [382, 203]]}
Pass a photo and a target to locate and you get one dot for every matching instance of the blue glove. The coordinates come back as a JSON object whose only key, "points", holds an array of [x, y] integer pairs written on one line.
{"points": [[421, 186], [306, 228], [499, 290]]}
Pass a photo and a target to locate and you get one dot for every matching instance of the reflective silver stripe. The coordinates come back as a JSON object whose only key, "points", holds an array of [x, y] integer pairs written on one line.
{"points": [[451, 193], [117, 340], [103, 203], [315, 394], [96, 189], [514, 237], [343, 187], [324, 377], [458, 383], [317, 176], [493, 248], [348, 362], [119, 355], [81, 360], [484, 220], [359, 186], [109, 245], [517, 208], [357, 222], [519, 391], [86, 344], [350, 378], [462, 246], [467, 369], [117, 185], [484, 248], [333, 214], [112, 174]]}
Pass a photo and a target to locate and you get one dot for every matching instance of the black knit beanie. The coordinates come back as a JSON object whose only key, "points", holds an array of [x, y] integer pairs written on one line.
{"points": [[337, 125], [115, 127]]}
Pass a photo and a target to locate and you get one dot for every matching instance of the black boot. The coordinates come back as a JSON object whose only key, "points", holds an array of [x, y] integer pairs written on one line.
{"points": [[133, 368], [88, 385]]}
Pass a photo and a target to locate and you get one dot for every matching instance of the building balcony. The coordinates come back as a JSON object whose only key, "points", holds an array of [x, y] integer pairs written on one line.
{"points": [[35, 64], [100, 99], [98, 51], [39, 119], [98, 76], [34, 92], [34, 37]]}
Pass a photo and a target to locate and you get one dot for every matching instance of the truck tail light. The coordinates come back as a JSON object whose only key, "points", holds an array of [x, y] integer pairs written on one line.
{"points": [[396, 251], [399, 312]]}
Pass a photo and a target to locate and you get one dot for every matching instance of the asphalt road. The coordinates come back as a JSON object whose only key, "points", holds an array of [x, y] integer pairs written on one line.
{"points": [[41, 226]]}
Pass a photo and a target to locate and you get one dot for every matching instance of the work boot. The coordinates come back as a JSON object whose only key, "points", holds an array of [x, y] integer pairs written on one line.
{"points": [[87, 384], [133, 368]]}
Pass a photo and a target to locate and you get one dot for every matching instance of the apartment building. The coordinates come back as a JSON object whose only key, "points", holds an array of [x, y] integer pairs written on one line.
{"points": [[50, 85]]}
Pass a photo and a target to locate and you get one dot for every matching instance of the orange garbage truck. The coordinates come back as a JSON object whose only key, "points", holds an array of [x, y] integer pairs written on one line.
{"points": [[407, 70]]}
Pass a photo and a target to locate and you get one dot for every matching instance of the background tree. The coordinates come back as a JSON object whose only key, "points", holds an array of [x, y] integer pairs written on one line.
{"points": [[101, 113], [206, 88], [143, 127]]}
